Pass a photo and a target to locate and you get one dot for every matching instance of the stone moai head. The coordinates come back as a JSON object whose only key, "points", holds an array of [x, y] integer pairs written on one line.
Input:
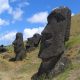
{"points": [[18, 40], [36, 39], [66, 12], [33, 41], [19, 36], [3, 48], [55, 33]]}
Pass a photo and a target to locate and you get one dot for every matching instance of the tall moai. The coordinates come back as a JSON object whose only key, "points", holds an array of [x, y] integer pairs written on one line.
{"points": [[54, 36], [19, 48]]}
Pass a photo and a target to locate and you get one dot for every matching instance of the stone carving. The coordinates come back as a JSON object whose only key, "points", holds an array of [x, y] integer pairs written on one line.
{"points": [[33, 41], [53, 39], [19, 47], [2, 49]]}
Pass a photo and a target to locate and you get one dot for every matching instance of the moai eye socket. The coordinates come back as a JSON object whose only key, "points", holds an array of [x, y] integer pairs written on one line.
{"points": [[59, 17]]}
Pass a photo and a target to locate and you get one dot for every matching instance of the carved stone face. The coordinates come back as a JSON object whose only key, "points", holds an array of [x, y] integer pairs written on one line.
{"points": [[53, 36], [19, 39], [46, 42], [34, 41], [18, 42], [19, 36]]}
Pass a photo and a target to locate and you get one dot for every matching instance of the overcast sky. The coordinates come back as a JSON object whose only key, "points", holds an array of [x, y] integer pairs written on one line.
{"points": [[28, 16]]}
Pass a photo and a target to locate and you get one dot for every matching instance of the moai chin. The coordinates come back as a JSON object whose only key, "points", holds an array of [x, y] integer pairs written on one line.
{"points": [[19, 47], [54, 36]]}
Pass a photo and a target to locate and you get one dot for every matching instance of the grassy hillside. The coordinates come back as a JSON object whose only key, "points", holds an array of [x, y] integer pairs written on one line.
{"points": [[23, 70], [75, 25]]}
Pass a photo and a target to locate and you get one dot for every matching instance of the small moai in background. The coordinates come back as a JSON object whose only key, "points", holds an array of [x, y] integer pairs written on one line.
{"points": [[2, 48], [54, 36], [33, 41], [19, 48]]}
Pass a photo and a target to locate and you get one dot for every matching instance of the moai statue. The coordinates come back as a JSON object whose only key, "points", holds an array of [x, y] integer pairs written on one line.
{"points": [[2, 49], [19, 47], [33, 41], [54, 35], [36, 39]]}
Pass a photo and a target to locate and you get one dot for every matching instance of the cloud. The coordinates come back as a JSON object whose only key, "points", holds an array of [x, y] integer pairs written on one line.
{"points": [[12, 0], [17, 14], [23, 4], [3, 22], [40, 17], [4, 6], [29, 32], [72, 14], [8, 37]]}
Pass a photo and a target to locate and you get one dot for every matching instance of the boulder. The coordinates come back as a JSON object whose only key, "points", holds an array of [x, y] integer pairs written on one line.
{"points": [[2, 49]]}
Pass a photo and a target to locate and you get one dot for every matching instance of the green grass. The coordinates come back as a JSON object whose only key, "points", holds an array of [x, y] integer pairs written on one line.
{"points": [[74, 41]]}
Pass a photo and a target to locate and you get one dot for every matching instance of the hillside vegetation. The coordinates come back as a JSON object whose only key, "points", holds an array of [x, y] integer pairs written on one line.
{"points": [[23, 70]]}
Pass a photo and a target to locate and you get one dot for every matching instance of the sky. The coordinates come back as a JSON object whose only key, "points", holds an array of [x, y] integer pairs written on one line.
{"points": [[28, 16]]}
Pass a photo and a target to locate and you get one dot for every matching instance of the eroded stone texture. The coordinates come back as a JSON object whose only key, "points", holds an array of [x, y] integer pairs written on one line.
{"points": [[66, 12], [63, 63], [19, 47], [53, 39], [33, 41]]}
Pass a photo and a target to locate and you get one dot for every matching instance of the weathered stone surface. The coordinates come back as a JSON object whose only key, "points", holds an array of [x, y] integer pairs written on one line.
{"points": [[63, 63], [33, 41], [2, 49], [66, 12], [53, 39], [19, 47]]}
